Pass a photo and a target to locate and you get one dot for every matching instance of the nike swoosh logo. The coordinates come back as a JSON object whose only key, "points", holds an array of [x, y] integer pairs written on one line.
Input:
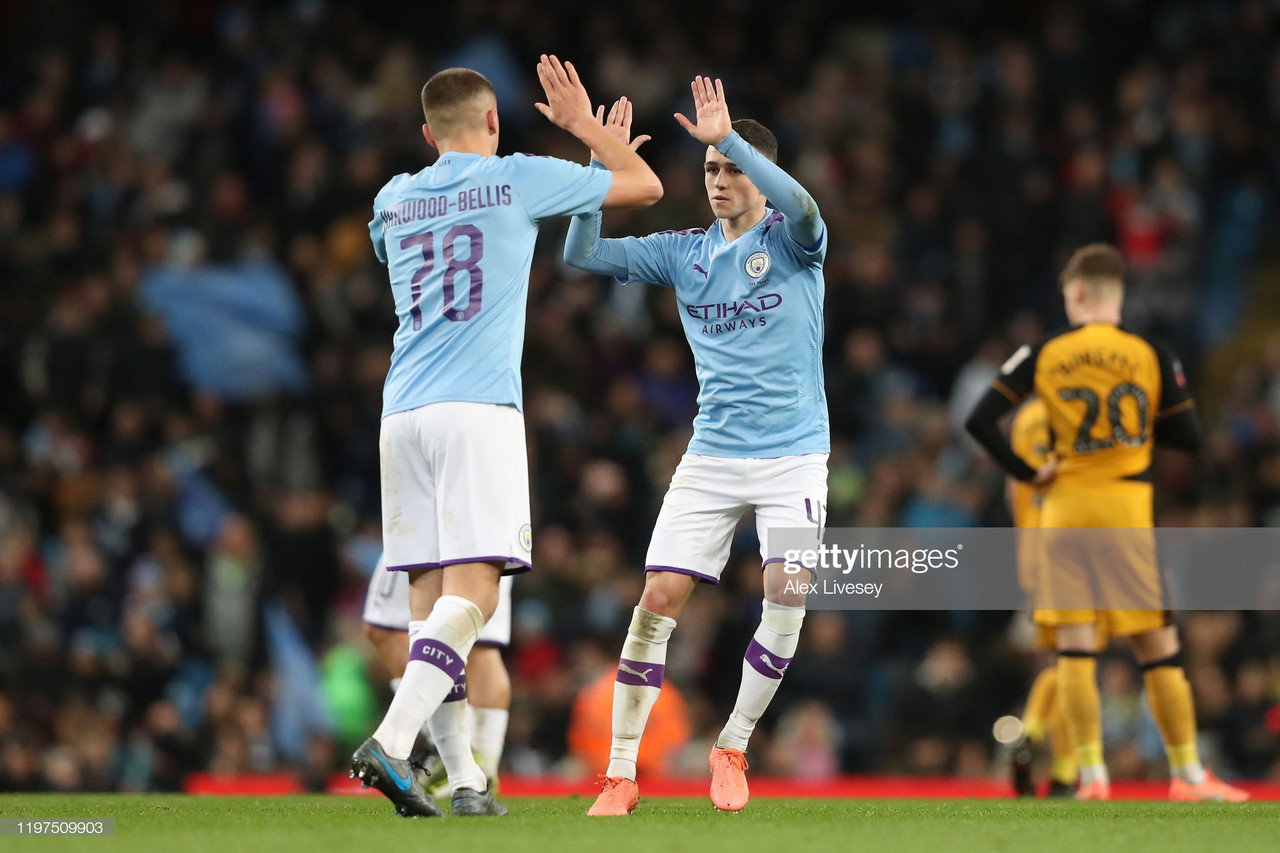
{"points": [[401, 782]]}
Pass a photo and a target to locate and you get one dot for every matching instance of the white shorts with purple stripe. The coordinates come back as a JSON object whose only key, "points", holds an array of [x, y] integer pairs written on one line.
{"points": [[455, 487], [708, 496], [386, 605]]}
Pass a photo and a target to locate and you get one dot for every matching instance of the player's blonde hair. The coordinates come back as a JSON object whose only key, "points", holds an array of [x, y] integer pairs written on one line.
{"points": [[1099, 265], [456, 99]]}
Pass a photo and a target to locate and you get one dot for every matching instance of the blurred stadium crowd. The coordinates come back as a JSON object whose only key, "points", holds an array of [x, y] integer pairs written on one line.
{"points": [[194, 333]]}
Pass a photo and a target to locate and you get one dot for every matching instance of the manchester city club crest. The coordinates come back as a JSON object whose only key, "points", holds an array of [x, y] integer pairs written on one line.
{"points": [[757, 264], [526, 537]]}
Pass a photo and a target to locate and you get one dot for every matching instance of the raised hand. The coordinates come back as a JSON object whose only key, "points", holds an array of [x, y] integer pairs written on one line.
{"points": [[618, 124], [567, 105], [712, 114]]}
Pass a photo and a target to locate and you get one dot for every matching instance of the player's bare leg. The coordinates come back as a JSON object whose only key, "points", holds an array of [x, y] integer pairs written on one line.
{"points": [[1169, 697], [640, 671], [1082, 707], [392, 647], [765, 662]]}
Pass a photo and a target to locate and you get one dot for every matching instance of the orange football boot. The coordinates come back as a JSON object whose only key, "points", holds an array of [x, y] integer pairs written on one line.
{"points": [[619, 797], [1096, 791], [1211, 790], [728, 779]]}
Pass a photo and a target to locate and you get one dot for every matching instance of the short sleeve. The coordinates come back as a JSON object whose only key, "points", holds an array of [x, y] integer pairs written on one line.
{"points": [[377, 225], [548, 186], [377, 236]]}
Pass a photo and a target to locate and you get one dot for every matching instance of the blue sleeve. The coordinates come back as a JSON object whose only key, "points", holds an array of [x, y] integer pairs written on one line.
{"points": [[804, 223], [584, 249], [651, 258], [628, 259], [376, 235], [547, 186], [377, 227]]}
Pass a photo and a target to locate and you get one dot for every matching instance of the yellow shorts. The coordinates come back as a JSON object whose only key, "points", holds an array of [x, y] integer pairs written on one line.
{"points": [[1111, 623], [1097, 552]]}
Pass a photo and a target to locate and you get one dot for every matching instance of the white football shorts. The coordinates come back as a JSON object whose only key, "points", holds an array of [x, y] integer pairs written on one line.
{"points": [[455, 487], [708, 496], [386, 605]]}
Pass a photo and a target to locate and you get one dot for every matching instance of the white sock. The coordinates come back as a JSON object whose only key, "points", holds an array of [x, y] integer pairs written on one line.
{"points": [[640, 672], [763, 666], [488, 736], [453, 740], [1091, 773], [395, 685], [438, 649], [1192, 773]]}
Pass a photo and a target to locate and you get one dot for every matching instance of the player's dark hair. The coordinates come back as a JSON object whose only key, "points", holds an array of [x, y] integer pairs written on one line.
{"points": [[1095, 264], [758, 136], [447, 94]]}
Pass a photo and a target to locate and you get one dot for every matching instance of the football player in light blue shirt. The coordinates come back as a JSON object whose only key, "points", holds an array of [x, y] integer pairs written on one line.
{"points": [[458, 239], [750, 294]]}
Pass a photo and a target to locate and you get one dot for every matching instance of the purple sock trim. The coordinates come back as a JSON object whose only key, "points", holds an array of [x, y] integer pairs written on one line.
{"points": [[766, 662], [438, 654], [640, 674], [459, 691]]}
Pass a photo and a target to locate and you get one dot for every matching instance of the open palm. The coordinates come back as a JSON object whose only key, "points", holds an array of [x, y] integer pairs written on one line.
{"points": [[714, 123], [619, 125]]}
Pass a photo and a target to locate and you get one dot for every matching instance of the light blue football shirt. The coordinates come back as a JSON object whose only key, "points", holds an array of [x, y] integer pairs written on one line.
{"points": [[752, 312], [457, 239]]}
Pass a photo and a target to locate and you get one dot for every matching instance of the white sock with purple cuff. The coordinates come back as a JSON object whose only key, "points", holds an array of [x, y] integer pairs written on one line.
{"points": [[639, 680], [766, 661], [438, 649]]}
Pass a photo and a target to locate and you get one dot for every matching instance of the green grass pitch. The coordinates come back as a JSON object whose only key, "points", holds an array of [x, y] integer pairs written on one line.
{"points": [[312, 824]]}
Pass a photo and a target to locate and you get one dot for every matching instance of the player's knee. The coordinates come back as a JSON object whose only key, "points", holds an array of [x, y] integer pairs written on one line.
{"points": [[392, 646], [377, 636], [782, 619], [1155, 646], [779, 593], [665, 593], [1078, 639]]}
